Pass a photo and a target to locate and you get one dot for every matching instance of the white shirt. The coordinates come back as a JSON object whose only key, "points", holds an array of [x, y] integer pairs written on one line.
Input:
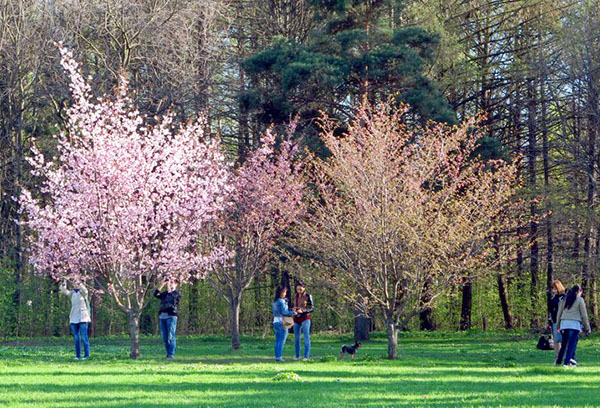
{"points": [[79, 311]]}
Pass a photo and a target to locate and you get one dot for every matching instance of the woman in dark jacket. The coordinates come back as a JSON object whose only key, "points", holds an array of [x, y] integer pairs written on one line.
{"points": [[558, 294], [303, 306], [167, 314]]}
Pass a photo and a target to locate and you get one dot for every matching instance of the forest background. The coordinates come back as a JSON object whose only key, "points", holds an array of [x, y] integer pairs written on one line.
{"points": [[533, 67]]}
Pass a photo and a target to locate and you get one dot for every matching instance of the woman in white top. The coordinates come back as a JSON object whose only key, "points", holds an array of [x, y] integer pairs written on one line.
{"points": [[79, 317]]}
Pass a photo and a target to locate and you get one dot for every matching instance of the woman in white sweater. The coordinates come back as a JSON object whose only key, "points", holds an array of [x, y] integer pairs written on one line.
{"points": [[572, 318], [79, 317]]}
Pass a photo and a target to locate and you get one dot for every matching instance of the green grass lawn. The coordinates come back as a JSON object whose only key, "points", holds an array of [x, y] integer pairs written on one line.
{"points": [[434, 370]]}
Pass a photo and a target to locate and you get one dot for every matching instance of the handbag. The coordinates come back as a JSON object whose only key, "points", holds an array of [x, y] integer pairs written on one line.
{"points": [[288, 322]]}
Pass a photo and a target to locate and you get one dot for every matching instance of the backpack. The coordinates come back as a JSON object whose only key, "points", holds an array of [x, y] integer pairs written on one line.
{"points": [[545, 343]]}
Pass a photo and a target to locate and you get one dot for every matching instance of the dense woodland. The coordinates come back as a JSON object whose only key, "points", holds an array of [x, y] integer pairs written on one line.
{"points": [[532, 66]]}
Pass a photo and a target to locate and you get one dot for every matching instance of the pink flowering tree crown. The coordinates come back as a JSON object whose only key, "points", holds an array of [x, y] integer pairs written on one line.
{"points": [[125, 204], [266, 201]]}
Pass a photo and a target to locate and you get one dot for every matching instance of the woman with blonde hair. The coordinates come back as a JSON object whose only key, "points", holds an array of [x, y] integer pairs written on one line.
{"points": [[558, 294]]}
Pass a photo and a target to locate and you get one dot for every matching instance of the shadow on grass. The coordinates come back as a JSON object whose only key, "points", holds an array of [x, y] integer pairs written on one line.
{"points": [[324, 388]]}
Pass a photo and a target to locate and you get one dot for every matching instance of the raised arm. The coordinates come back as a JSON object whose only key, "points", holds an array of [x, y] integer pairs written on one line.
{"points": [[64, 290], [158, 293]]}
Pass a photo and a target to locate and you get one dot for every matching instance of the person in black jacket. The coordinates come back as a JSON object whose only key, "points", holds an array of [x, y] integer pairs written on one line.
{"points": [[558, 294], [303, 306], [169, 304]]}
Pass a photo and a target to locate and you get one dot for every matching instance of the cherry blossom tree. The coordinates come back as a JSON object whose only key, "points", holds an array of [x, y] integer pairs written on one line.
{"points": [[125, 204], [266, 201], [402, 208]]}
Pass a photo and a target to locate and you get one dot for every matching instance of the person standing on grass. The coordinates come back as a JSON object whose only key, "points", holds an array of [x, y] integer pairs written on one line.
{"points": [[280, 309], [572, 313], [558, 294], [167, 314], [79, 318], [303, 306]]}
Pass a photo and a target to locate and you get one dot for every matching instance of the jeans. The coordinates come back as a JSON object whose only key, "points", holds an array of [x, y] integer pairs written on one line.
{"points": [[80, 334], [302, 328], [167, 330], [281, 334], [570, 337], [556, 336]]}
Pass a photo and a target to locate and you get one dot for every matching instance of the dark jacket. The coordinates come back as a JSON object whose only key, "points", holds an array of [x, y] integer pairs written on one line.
{"points": [[169, 301], [554, 304], [299, 318]]}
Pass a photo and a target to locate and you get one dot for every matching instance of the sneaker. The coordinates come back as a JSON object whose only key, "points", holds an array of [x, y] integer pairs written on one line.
{"points": [[280, 360], [85, 358], [169, 357], [296, 358], [76, 358], [305, 359], [573, 362]]}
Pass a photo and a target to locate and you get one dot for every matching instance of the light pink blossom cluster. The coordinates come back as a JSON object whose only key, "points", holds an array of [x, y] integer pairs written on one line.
{"points": [[267, 200], [267, 195], [125, 200]]}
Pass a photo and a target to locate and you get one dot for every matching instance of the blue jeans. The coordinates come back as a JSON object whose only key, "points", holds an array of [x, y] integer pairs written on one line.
{"points": [[556, 336], [167, 330], [80, 334], [570, 338], [280, 337], [302, 328]]}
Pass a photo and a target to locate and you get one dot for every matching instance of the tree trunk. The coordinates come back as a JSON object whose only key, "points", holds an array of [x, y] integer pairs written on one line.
{"points": [[134, 333], [467, 302], [194, 309], [546, 163], [235, 303], [392, 332], [532, 152], [426, 314], [508, 324]]}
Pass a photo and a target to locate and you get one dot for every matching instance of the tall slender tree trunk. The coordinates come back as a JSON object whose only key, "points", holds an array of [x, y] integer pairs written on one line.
{"points": [[589, 241], [532, 129], [426, 314], [133, 316], [194, 308], [590, 246], [467, 304], [508, 323], [235, 302], [546, 164]]}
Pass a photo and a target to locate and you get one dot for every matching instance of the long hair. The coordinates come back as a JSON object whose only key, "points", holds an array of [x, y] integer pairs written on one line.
{"points": [[560, 289], [571, 296], [278, 290]]}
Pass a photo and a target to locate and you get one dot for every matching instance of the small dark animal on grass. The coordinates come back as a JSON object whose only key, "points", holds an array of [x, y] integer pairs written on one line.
{"points": [[349, 350]]}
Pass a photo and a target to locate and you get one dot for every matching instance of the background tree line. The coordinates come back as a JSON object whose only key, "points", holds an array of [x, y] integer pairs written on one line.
{"points": [[532, 66]]}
